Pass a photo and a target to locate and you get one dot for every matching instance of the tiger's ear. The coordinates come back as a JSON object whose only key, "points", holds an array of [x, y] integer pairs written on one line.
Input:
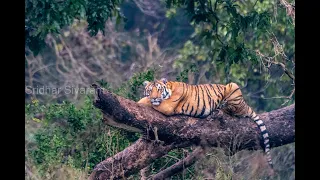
{"points": [[164, 80], [145, 83]]}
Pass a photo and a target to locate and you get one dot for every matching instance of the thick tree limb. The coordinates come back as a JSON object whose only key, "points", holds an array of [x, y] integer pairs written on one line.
{"points": [[221, 130]]}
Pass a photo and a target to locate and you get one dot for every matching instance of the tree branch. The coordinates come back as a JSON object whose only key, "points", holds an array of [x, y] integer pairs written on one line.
{"points": [[217, 130], [180, 165], [290, 10], [131, 160], [144, 173]]}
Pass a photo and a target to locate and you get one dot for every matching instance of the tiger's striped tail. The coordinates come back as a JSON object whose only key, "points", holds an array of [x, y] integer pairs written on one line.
{"points": [[265, 136]]}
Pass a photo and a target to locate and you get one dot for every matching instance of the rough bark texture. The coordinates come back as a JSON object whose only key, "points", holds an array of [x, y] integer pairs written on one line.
{"points": [[221, 130]]}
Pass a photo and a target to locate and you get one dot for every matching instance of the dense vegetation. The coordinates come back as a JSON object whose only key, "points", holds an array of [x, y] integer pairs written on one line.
{"points": [[195, 41]]}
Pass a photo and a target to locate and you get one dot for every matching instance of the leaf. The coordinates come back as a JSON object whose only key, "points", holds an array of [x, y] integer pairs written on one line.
{"points": [[222, 54], [36, 120]]}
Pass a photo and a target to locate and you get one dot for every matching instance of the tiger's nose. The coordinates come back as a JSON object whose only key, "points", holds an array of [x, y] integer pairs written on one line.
{"points": [[155, 99]]}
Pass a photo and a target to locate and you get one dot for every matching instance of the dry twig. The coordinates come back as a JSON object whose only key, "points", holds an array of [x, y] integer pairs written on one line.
{"points": [[290, 10]]}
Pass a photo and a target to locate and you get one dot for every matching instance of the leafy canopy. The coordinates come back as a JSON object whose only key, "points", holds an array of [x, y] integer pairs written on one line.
{"points": [[44, 16]]}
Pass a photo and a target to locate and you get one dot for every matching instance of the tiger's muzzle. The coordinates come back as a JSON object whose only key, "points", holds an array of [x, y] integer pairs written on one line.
{"points": [[156, 101]]}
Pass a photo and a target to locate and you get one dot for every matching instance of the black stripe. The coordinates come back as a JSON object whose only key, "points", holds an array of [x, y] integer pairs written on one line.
{"points": [[191, 110], [248, 109], [237, 108], [219, 90], [165, 92], [195, 114], [195, 89], [261, 124], [186, 100], [242, 105], [252, 116], [236, 103], [209, 98], [183, 106], [187, 89], [232, 105], [232, 92], [214, 90], [251, 112], [208, 91], [204, 103], [185, 96], [210, 104], [181, 94], [240, 95], [187, 107], [263, 132], [217, 102]]}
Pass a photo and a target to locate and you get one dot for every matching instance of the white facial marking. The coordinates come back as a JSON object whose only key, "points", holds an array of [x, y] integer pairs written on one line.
{"points": [[156, 103]]}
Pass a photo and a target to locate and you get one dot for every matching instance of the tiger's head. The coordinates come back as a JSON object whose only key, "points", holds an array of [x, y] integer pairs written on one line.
{"points": [[157, 91]]}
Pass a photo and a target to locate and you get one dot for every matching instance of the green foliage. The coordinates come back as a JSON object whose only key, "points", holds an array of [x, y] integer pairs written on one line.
{"points": [[222, 29], [72, 136], [104, 84], [99, 12], [223, 46], [43, 17], [183, 76], [132, 88], [76, 136]]}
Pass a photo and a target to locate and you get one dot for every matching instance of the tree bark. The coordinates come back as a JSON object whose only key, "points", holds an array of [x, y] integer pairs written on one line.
{"points": [[218, 130]]}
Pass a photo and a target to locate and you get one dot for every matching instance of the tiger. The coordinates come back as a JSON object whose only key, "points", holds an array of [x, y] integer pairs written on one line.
{"points": [[199, 101]]}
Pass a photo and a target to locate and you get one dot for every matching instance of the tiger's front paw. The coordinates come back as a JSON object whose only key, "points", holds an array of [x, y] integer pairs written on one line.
{"points": [[216, 113]]}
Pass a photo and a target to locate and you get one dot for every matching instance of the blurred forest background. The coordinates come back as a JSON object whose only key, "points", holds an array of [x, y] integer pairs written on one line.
{"points": [[71, 44]]}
